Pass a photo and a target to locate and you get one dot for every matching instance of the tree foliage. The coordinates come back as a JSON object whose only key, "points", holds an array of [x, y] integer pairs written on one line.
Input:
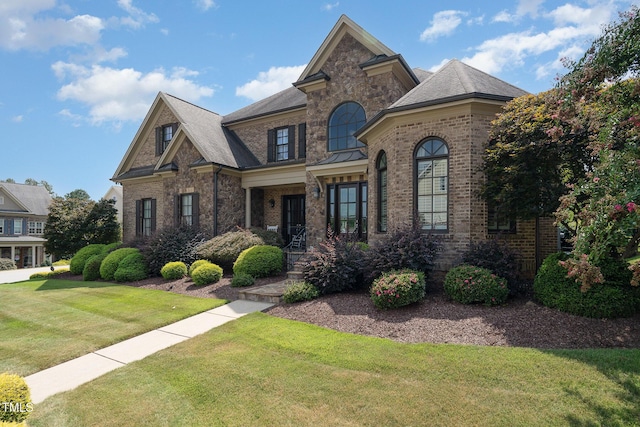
{"points": [[74, 223]]}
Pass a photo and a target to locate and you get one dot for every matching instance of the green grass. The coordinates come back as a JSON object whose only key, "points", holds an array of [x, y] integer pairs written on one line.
{"points": [[262, 371], [46, 322]]}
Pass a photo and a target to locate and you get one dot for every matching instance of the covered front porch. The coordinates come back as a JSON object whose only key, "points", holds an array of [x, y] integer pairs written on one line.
{"points": [[25, 251]]}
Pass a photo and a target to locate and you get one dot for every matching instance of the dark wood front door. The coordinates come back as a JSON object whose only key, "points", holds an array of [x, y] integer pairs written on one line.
{"points": [[292, 216]]}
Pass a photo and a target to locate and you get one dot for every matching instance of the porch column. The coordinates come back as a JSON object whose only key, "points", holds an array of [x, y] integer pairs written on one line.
{"points": [[247, 207], [33, 256]]}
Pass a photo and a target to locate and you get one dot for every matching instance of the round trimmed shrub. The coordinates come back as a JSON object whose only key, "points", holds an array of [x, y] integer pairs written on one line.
{"points": [[242, 280], [468, 284], [174, 270], [259, 261], [271, 238], [398, 288], [110, 264], [76, 266], [197, 264], [300, 291], [132, 268], [206, 274], [552, 288], [91, 269], [15, 398], [7, 264], [225, 248]]}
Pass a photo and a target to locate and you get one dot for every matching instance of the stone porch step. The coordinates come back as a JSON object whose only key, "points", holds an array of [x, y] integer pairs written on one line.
{"points": [[271, 293]]}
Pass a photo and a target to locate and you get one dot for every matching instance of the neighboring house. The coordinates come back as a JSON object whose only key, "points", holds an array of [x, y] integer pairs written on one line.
{"points": [[115, 193], [361, 143], [23, 214]]}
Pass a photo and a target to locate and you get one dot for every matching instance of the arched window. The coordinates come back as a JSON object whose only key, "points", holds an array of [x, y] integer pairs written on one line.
{"points": [[431, 184], [381, 166], [345, 120]]}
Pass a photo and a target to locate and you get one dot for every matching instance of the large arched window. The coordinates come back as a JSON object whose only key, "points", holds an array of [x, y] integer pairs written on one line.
{"points": [[381, 166], [431, 183], [345, 120]]}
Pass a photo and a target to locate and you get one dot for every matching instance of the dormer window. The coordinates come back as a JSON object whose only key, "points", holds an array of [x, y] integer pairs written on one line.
{"points": [[345, 120]]}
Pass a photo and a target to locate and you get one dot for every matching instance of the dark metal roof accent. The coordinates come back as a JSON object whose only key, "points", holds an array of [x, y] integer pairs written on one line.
{"points": [[136, 173], [320, 75], [168, 167], [342, 156], [380, 59]]}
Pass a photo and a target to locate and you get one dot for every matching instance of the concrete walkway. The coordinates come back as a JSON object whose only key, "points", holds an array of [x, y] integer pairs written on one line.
{"points": [[71, 374]]}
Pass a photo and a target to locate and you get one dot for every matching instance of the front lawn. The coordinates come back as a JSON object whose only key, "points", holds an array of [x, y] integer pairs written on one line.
{"points": [[261, 370], [46, 322]]}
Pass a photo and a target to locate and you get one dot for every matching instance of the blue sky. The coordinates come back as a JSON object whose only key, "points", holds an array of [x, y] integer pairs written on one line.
{"points": [[78, 76]]}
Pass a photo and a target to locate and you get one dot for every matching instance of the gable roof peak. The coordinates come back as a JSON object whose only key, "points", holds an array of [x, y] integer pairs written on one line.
{"points": [[345, 25]]}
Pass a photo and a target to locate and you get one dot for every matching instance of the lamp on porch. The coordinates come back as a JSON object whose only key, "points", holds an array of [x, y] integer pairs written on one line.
{"points": [[272, 203], [316, 192]]}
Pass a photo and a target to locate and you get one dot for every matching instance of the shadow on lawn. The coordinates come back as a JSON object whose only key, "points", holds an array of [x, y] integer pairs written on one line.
{"points": [[58, 284]]}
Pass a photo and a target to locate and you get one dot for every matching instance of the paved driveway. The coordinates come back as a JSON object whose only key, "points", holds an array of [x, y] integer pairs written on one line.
{"points": [[10, 276]]}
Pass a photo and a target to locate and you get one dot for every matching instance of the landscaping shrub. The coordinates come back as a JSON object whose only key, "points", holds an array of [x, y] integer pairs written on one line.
{"points": [[241, 280], [91, 269], [7, 264], [132, 268], [110, 264], [469, 284], [15, 398], [259, 261], [270, 238], [300, 291], [398, 288], [406, 248], [225, 249], [172, 244], [554, 289], [336, 266], [61, 262], [49, 274], [77, 262], [497, 256], [206, 274], [197, 264], [174, 270]]}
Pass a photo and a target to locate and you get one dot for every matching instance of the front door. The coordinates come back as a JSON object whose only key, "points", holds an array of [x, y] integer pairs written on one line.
{"points": [[293, 221], [347, 208]]}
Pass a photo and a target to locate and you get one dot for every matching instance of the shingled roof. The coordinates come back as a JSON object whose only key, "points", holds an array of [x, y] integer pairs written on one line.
{"points": [[288, 99], [35, 199]]}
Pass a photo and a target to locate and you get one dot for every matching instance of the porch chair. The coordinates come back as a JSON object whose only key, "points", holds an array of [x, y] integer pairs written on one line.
{"points": [[272, 228]]}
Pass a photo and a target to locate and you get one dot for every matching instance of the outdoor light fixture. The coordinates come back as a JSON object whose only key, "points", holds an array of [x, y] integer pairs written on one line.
{"points": [[272, 202], [316, 192]]}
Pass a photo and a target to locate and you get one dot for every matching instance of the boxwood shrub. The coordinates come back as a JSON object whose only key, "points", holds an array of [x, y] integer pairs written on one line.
{"points": [[132, 268], [497, 256], [610, 299], [469, 284], [206, 274], [174, 270], [110, 264], [197, 264], [259, 261], [241, 280], [76, 266], [91, 269], [300, 291], [14, 391], [398, 288]]}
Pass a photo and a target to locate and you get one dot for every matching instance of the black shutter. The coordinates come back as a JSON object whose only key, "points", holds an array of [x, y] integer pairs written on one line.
{"points": [[291, 151], [195, 209], [174, 129], [302, 140], [271, 145], [158, 141], [138, 217], [176, 210], [153, 215]]}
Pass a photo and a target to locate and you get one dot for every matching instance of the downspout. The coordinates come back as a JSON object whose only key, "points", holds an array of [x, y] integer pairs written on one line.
{"points": [[215, 200]]}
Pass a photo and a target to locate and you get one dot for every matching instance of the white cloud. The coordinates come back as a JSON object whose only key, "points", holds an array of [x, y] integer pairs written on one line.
{"points": [[504, 16], [17, 119], [330, 6], [529, 7], [270, 82], [205, 4], [118, 95], [137, 17], [575, 26], [442, 24], [440, 65]]}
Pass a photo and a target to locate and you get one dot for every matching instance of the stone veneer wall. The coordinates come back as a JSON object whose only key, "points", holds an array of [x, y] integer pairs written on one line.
{"points": [[137, 190], [348, 83], [147, 154]]}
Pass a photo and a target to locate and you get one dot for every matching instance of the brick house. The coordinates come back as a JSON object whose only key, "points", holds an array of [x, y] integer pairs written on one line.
{"points": [[23, 215], [361, 143]]}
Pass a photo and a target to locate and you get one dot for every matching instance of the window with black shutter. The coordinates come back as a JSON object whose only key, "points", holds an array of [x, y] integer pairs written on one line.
{"points": [[302, 140], [187, 209], [164, 135], [145, 217], [281, 144]]}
